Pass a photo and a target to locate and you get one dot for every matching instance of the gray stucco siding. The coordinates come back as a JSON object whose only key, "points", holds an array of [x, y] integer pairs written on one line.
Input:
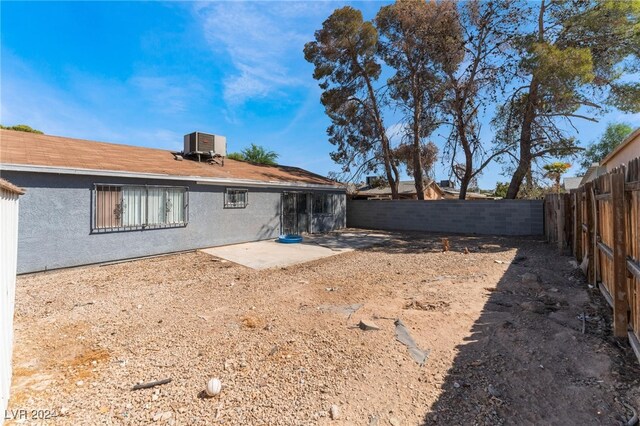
{"points": [[55, 221]]}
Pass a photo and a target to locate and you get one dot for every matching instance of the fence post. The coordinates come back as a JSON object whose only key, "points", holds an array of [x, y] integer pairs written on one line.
{"points": [[577, 224], [620, 304], [568, 224], [588, 188], [559, 212]]}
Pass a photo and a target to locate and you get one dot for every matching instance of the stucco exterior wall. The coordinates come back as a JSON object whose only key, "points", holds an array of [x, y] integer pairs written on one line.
{"points": [[484, 217], [55, 222], [624, 154]]}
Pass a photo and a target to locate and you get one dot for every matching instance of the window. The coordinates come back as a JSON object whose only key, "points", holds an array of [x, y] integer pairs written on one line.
{"points": [[127, 207], [236, 198], [322, 204]]}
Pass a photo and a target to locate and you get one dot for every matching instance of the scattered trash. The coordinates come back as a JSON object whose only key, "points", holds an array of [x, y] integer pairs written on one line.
{"points": [[334, 412], [499, 261], [151, 384], [403, 336], [214, 386], [331, 288], [456, 385], [367, 325]]}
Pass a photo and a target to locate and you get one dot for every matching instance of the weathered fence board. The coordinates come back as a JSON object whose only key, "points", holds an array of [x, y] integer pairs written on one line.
{"points": [[600, 222]]}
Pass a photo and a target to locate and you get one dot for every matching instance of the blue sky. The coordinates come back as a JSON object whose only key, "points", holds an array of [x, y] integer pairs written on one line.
{"points": [[146, 73]]}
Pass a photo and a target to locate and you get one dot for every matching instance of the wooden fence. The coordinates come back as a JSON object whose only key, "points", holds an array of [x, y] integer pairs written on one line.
{"points": [[600, 224]]}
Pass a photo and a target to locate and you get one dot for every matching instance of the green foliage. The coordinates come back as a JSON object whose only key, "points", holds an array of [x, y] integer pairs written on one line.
{"points": [[422, 42], [575, 55], [21, 128], [501, 189], [612, 137], [255, 154], [345, 64], [555, 170], [236, 156]]}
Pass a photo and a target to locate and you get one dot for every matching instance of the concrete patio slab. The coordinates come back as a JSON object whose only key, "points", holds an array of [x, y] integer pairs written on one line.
{"points": [[271, 254]]}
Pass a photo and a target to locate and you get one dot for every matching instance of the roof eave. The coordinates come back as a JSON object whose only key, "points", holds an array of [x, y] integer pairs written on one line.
{"points": [[202, 180]]}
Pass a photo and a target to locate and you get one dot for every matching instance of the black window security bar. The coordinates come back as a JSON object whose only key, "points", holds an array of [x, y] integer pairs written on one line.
{"points": [[236, 198], [135, 207]]}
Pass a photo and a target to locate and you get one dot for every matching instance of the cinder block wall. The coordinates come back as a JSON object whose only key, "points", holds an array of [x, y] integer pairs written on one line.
{"points": [[484, 217]]}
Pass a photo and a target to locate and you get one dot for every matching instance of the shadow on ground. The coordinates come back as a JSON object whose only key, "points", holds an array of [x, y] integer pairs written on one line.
{"points": [[527, 359]]}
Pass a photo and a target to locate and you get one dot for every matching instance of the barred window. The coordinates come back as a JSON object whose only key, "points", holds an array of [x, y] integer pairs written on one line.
{"points": [[322, 204], [236, 198], [127, 207]]}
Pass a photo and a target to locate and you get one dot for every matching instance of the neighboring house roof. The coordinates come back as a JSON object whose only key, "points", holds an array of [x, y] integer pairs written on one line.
{"points": [[54, 154], [593, 172], [9, 187], [405, 187], [632, 139], [451, 192], [572, 182]]}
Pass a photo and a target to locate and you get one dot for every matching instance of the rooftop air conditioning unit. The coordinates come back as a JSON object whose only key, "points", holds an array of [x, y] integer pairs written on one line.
{"points": [[205, 143]]}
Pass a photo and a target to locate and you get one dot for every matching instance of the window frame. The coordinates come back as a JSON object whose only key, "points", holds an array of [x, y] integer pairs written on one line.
{"points": [[331, 200], [228, 205], [97, 187]]}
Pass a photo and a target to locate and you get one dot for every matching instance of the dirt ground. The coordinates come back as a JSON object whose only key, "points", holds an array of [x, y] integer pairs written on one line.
{"points": [[505, 346]]}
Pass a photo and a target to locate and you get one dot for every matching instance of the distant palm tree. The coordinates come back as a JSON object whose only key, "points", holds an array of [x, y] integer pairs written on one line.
{"points": [[555, 171], [255, 154]]}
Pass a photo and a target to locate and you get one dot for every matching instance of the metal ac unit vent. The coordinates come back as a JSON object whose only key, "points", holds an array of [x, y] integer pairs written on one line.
{"points": [[205, 143]]}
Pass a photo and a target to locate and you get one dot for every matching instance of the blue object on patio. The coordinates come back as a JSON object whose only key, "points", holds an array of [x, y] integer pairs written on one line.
{"points": [[290, 239]]}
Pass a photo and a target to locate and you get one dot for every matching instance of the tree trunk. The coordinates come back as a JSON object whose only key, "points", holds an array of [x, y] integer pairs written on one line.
{"points": [[417, 159], [468, 154], [526, 156], [386, 146]]}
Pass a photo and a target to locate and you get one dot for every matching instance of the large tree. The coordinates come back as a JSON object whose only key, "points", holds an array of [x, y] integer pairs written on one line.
{"points": [[573, 61], [612, 137], [344, 55], [475, 82], [417, 41], [255, 154]]}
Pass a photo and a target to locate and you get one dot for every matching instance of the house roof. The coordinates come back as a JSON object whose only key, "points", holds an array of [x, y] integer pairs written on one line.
{"points": [[9, 187], [572, 182], [470, 195], [22, 150], [405, 187]]}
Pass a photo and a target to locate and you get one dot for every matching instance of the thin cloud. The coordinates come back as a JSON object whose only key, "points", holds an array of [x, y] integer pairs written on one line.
{"points": [[262, 44]]}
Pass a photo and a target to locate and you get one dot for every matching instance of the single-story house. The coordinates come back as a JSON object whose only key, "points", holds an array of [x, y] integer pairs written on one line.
{"points": [[628, 149], [454, 194], [406, 191], [91, 202]]}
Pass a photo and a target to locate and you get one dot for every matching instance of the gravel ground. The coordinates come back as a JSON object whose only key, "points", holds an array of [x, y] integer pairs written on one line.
{"points": [[502, 324]]}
